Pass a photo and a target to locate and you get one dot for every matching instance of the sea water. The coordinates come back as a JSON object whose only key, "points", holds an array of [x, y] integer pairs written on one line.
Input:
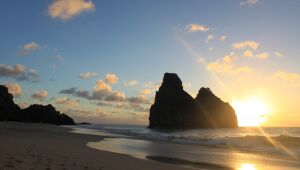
{"points": [[262, 148]]}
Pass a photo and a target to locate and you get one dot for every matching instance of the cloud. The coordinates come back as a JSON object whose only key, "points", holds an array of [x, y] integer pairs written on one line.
{"points": [[101, 91], [278, 54], [40, 95], [187, 85], [138, 99], [18, 72], [288, 76], [196, 27], [23, 105], [130, 83], [111, 78], [153, 85], [115, 96], [223, 38], [87, 75], [262, 56], [146, 92], [248, 53], [66, 9], [33, 73], [58, 58], [226, 66], [11, 71], [66, 101], [14, 88], [76, 92], [209, 38], [86, 112], [249, 2], [133, 106], [104, 104], [29, 48], [245, 44]]}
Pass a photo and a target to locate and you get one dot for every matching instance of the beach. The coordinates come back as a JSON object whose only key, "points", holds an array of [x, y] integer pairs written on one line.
{"points": [[44, 146], [41, 146]]}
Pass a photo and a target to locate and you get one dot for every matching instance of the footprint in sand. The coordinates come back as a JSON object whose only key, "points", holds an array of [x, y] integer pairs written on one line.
{"points": [[9, 165], [18, 161]]}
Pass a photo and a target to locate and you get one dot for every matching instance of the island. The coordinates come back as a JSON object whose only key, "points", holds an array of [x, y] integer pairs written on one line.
{"points": [[175, 108]]}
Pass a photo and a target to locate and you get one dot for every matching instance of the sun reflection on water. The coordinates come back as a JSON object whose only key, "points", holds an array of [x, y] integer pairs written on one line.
{"points": [[247, 166]]}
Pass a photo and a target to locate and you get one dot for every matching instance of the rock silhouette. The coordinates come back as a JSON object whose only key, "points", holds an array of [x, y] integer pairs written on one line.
{"points": [[9, 111], [175, 108]]}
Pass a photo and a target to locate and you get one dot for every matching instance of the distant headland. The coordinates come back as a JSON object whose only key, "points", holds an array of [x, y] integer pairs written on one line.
{"points": [[9, 111], [175, 108]]}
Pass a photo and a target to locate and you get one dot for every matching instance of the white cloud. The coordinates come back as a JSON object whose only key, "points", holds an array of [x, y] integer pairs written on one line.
{"points": [[209, 38], [153, 85], [130, 83], [223, 38], [249, 2], [33, 72], [40, 95], [29, 48], [226, 66], [111, 78], [103, 91], [262, 56], [245, 44], [87, 75], [14, 88], [278, 54], [66, 101], [196, 27], [66, 9]]}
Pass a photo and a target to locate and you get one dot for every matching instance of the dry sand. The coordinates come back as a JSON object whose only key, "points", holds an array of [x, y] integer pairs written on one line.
{"points": [[39, 146]]}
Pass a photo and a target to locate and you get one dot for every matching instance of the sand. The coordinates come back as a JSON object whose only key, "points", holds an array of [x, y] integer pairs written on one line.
{"points": [[40, 146]]}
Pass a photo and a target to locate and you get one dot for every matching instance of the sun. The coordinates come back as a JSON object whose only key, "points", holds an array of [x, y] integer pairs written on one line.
{"points": [[251, 112]]}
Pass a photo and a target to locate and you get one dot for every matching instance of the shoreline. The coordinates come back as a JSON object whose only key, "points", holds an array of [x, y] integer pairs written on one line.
{"points": [[191, 155], [43, 146]]}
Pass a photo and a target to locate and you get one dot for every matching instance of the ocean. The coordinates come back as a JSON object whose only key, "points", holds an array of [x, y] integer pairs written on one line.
{"points": [[257, 148]]}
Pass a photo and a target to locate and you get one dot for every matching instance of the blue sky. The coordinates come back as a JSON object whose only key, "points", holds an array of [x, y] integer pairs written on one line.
{"points": [[140, 40]]}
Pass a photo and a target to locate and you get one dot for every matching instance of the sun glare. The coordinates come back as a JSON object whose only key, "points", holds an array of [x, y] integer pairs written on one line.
{"points": [[251, 112], [247, 166]]}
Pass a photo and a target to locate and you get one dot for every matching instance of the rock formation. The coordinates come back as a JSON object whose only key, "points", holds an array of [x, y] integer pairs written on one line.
{"points": [[175, 108], [46, 114], [9, 111]]}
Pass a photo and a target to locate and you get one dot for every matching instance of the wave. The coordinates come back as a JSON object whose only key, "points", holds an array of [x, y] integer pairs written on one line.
{"points": [[251, 139]]}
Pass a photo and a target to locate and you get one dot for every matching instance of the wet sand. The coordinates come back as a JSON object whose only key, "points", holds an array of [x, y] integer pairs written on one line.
{"points": [[39, 146]]}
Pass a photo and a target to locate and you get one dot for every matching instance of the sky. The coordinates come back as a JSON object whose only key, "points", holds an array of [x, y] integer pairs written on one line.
{"points": [[102, 61]]}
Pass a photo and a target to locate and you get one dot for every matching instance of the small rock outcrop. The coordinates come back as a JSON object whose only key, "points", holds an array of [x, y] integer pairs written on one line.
{"points": [[175, 108], [9, 111], [46, 114]]}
